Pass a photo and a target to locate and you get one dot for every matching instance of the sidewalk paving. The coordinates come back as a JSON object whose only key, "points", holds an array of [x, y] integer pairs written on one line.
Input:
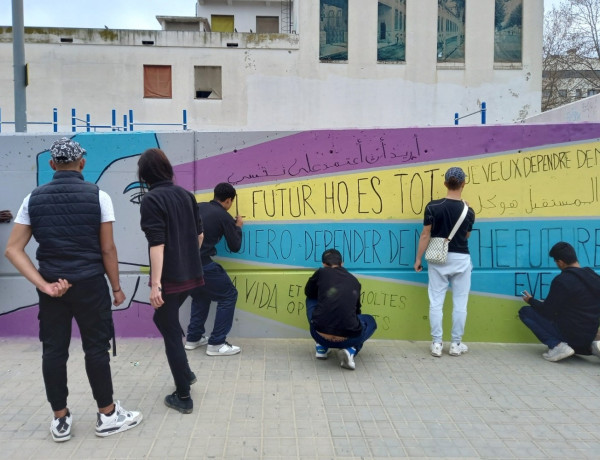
{"points": [[276, 401]]}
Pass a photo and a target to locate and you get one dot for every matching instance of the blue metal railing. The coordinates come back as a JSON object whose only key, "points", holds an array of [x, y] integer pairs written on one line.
{"points": [[128, 123], [482, 111], [54, 121], [79, 123]]}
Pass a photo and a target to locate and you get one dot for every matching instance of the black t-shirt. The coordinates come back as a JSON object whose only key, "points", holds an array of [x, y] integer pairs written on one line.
{"points": [[442, 215], [338, 301]]}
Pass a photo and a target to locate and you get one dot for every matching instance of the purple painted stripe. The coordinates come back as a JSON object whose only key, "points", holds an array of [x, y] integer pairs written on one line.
{"points": [[313, 153], [136, 321]]}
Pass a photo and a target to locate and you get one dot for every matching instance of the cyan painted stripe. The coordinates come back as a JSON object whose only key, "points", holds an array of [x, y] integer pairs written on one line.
{"points": [[508, 256]]}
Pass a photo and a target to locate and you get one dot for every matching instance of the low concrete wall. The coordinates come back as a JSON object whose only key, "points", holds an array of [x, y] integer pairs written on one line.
{"points": [[583, 111], [361, 191]]}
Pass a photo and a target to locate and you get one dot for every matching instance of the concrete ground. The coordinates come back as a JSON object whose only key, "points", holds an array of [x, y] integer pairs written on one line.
{"points": [[276, 401]]}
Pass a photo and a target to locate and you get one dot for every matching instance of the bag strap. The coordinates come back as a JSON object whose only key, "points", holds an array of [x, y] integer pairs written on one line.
{"points": [[459, 222]]}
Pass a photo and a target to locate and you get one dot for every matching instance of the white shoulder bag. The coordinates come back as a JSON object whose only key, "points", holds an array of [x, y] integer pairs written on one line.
{"points": [[437, 249]]}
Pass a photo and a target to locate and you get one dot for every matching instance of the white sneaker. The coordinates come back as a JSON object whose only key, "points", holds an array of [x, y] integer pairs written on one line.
{"points": [[120, 420], [436, 349], [225, 349], [596, 348], [346, 357], [457, 349], [321, 352], [193, 345], [560, 351], [60, 428]]}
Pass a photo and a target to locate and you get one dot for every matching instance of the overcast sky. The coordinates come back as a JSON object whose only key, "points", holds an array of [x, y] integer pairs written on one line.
{"points": [[115, 14], [95, 14]]}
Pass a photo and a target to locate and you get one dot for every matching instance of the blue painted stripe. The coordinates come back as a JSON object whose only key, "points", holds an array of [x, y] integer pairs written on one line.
{"points": [[508, 256]]}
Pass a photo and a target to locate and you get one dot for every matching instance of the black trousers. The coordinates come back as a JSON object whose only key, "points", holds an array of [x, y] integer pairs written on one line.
{"points": [[166, 319], [89, 302]]}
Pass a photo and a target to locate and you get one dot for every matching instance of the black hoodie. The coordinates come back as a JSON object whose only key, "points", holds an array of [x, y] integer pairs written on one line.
{"points": [[573, 302]]}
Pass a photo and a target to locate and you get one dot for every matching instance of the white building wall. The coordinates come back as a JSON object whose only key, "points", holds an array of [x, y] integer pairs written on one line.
{"points": [[276, 82]]}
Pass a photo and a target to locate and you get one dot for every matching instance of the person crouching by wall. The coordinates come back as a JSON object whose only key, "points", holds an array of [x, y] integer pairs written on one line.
{"points": [[568, 320], [173, 228], [333, 311]]}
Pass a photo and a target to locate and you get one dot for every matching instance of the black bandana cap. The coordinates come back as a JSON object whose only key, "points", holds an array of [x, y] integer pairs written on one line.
{"points": [[66, 150]]}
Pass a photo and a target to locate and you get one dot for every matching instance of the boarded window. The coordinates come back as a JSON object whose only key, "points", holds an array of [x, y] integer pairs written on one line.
{"points": [[207, 82], [157, 81], [221, 23], [267, 24]]}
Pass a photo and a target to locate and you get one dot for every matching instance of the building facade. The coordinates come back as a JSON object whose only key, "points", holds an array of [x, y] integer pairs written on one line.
{"points": [[338, 64]]}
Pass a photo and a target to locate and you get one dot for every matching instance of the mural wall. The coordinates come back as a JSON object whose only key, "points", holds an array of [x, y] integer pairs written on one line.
{"points": [[360, 191]]}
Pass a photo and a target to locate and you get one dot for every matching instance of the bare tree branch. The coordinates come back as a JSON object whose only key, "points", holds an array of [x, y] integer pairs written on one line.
{"points": [[571, 54]]}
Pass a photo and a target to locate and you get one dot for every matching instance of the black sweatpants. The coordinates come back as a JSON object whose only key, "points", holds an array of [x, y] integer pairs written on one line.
{"points": [[89, 302], [166, 319]]}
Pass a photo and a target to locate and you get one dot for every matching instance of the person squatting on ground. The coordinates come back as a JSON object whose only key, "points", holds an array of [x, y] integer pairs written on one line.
{"points": [[440, 217], [217, 287], [72, 222], [568, 320], [333, 311], [172, 225]]}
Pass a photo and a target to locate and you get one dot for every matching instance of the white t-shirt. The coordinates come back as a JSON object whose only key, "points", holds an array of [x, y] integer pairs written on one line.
{"points": [[107, 213]]}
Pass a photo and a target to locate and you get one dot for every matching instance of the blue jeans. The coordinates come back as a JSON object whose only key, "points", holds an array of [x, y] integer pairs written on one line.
{"points": [[218, 287], [368, 328], [543, 328]]}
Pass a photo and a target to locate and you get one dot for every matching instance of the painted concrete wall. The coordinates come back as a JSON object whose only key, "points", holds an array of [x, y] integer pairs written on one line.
{"points": [[361, 191], [582, 111], [276, 82]]}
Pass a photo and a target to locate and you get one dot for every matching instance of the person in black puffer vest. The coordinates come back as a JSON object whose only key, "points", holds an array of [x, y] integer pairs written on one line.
{"points": [[71, 220]]}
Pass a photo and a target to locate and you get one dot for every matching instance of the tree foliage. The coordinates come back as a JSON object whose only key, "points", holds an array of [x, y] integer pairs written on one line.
{"points": [[571, 55]]}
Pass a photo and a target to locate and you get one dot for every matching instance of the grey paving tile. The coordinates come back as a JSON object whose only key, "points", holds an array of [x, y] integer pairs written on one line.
{"points": [[275, 400]]}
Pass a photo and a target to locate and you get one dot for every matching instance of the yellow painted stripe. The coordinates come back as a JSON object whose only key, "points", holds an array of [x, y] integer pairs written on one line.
{"points": [[553, 182]]}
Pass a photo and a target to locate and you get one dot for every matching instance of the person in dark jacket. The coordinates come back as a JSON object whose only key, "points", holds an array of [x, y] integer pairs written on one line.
{"points": [[567, 320], [218, 223], [333, 310], [172, 225], [72, 222]]}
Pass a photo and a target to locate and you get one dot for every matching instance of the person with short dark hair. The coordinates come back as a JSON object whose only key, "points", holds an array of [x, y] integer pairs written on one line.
{"points": [[72, 221], [173, 228], [218, 223], [333, 310], [567, 320], [439, 219]]}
